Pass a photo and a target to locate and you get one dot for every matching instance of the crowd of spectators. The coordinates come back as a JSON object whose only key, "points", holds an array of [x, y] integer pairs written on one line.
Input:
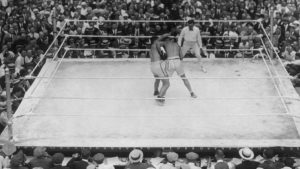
{"points": [[11, 158], [27, 28]]}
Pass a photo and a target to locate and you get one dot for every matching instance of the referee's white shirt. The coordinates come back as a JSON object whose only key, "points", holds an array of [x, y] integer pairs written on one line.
{"points": [[190, 35]]}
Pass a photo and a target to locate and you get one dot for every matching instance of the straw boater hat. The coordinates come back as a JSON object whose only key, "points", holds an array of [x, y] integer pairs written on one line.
{"points": [[136, 156], [246, 153]]}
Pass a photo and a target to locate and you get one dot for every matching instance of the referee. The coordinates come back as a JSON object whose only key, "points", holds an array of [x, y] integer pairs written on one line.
{"points": [[192, 41]]}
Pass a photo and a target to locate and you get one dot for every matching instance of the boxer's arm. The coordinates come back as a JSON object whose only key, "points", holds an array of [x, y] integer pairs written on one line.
{"points": [[179, 41], [162, 37], [180, 53], [199, 41], [161, 50]]}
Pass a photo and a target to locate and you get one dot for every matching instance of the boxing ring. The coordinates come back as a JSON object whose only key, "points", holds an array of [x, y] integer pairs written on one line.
{"points": [[110, 103]]}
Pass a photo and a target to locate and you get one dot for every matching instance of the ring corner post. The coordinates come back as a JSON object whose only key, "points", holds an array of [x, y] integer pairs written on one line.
{"points": [[8, 104]]}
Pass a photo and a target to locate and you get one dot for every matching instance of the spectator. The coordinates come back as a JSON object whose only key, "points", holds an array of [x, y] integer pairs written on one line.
{"points": [[296, 80], [289, 54], [136, 160], [57, 160], [16, 94], [157, 160], [293, 67], [18, 161], [8, 149], [172, 157], [247, 155], [40, 159], [99, 162], [192, 161], [221, 163], [80, 162], [20, 61], [289, 163], [269, 162], [244, 44]]}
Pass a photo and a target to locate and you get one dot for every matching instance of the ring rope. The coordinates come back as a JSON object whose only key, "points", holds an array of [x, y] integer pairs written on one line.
{"points": [[147, 37], [269, 57], [60, 47], [162, 116], [276, 87], [65, 52], [56, 53], [148, 50], [273, 47], [150, 77], [53, 42], [182, 98], [153, 98], [160, 21], [56, 69]]}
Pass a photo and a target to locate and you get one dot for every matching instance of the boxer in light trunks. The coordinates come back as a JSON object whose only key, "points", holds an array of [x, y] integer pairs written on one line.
{"points": [[170, 61]]}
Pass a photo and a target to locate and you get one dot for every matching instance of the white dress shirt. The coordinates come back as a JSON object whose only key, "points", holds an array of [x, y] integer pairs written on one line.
{"points": [[190, 35]]}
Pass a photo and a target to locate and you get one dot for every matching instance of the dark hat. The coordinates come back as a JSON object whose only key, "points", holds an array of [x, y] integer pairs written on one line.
{"points": [[190, 21], [249, 24], [289, 162], [219, 153], [85, 152], [98, 158], [58, 158], [17, 159], [269, 153], [16, 89]]}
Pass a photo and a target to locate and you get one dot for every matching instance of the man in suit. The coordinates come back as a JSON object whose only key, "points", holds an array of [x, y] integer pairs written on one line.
{"points": [[41, 157], [284, 25], [22, 23], [57, 160], [247, 155], [269, 160], [80, 162]]}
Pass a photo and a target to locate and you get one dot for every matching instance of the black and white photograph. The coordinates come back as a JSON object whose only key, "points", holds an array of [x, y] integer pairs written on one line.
{"points": [[149, 84]]}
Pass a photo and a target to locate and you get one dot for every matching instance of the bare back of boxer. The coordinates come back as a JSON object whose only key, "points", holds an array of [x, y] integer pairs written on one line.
{"points": [[175, 64], [159, 72], [173, 50], [154, 53]]}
